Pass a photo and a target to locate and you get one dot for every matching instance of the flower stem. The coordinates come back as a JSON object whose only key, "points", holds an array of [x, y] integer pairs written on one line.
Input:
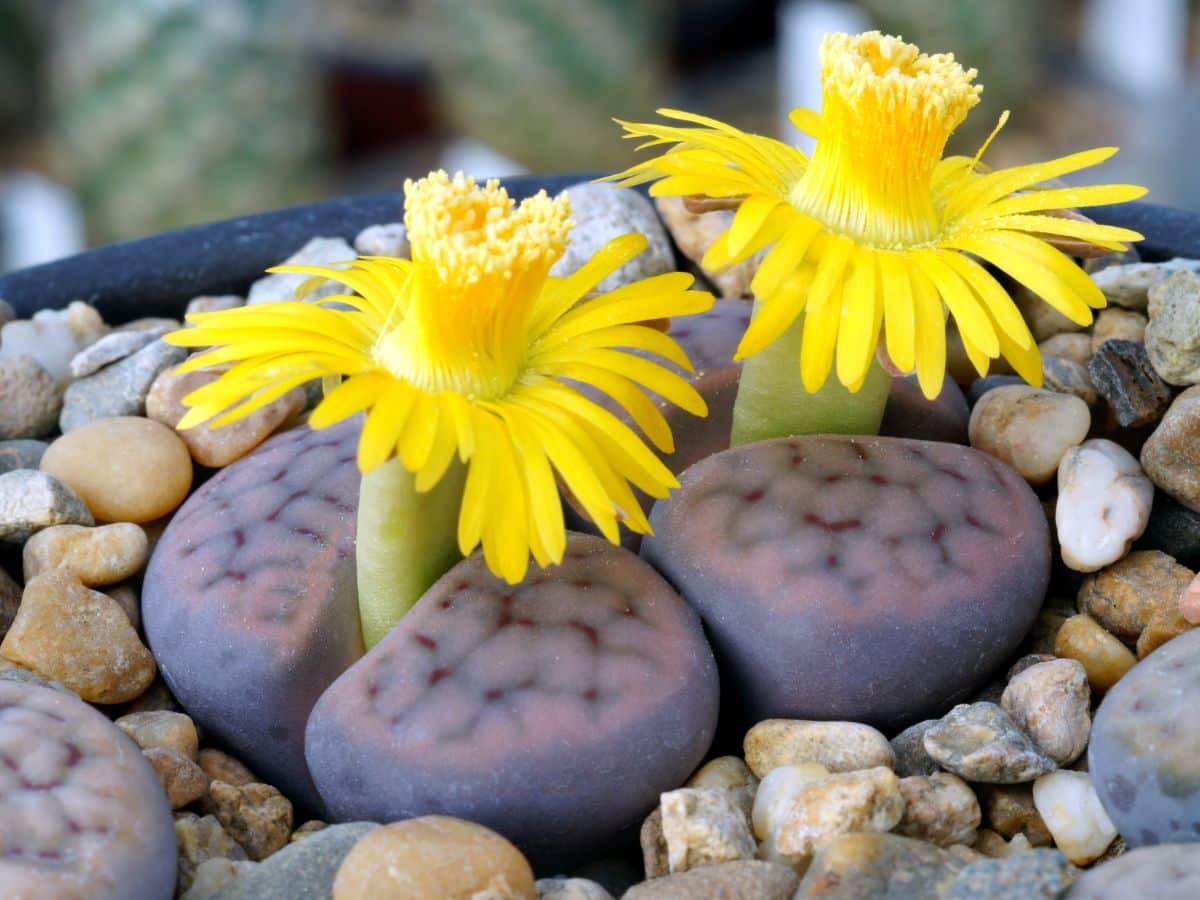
{"points": [[772, 402], [406, 541]]}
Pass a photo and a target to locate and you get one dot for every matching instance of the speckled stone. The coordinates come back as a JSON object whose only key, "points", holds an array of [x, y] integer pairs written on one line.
{"points": [[909, 414], [879, 865], [486, 698], [30, 399], [743, 878], [909, 747], [118, 389], [1165, 872], [910, 570], [31, 500], [112, 347], [1035, 875], [82, 813], [1119, 324], [252, 583], [1029, 428], [1171, 455], [980, 742], [1142, 754]]}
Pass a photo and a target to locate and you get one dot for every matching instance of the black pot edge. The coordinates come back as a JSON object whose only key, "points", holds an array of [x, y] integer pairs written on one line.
{"points": [[158, 275]]}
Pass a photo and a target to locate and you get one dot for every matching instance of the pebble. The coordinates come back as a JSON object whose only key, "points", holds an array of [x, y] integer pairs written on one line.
{"points": [[80, 637], [1165, 872], [1171, 455], [694, 234], [52, 337], [10, 600], [730, 774], [111, 348], [980, 742], [81, 811], [433, 856], [1028, 428], [1103, 656], [880, 865], [1124, 377], [217, 447], [20, 454], [1029, 659], [1173, 334], [32, 500], [989, 844], [256, 815], [320, 251], [1129, 285], [1073, 347], [312, 826], [1189, 602], [570, 889], [1174, 529], [162, 729], [1065, 376], [212, 877], [980, 386], [775, 802], [909, 748], [1009, 810], [97, 556], [118, 389], [1104, 502], [702, 826], [941, 809], [1043, 319], [1124, 597], [654, 845], [1072, 812], [126, 469], [214, 303], [390, 239], [201, 838], [743, 878], [602, 212], [30, 399], [220, 766], [838, 746], [181, 778], [1034, 875], [1142, 754], [1119, 324], [1051, 702]]}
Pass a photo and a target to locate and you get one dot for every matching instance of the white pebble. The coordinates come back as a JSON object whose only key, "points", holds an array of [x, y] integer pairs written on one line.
{"points": [[1104, 501], [1072, 812]]}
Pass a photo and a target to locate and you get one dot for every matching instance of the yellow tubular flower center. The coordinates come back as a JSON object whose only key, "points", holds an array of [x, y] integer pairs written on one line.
{"points": [[887, 112], [478, 265]]}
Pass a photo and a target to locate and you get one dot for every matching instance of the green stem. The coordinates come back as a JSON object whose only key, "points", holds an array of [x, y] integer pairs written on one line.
{"points": [[772, 402], [406, 541]]}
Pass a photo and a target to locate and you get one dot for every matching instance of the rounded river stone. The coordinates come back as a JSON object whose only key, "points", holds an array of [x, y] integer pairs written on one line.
{"points": [[82, 813], [249, 601], [873, 580], [554, 711], [1143, 752]]}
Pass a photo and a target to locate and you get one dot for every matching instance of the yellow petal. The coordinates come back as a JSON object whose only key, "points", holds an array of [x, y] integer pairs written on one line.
{"points": [[861, 317], [898, 311]]}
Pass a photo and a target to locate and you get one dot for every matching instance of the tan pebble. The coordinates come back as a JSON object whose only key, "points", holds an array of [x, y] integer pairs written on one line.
{"points": [[1050, 701], [96, 556], [256, 815], [694, 234], [1189, 601], [728, 773], [990, 844], [838, 746], [1075, 346], [563, 888], [1115, 323], [654, 845], [159, 728], [939, 808], [126, 469], [220, 766], [1165, 625], [312, 826], [201, 838], [1028, 428], [1009, 810], [703, 826], [217, 447], [1104, 657], [212, 876], [433, 856], [80, 637], [1043, 319], [1123, 597], [181, 778]]}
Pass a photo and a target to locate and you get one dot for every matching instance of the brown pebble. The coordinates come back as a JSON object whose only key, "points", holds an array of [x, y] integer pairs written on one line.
{"points": [[201, 838], [96, 556], [1104, 657], [1164, 625], [312, 826], [181, 778], [1189, 601], [159, 728], [126, 469], [220, 766], [1124, 597], [256, 815]]}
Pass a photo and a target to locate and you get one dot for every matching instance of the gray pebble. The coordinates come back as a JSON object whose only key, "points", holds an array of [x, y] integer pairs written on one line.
{"points": [[110, 348], [909, 747], [1166, 872], [1040, 874], [29, 399], [980, 742], [214, 303], [320, 251], [119, 389], [1173, 332], [31, 500], [21, 453], [383, 240], [1123, 376], [1066, 376]]}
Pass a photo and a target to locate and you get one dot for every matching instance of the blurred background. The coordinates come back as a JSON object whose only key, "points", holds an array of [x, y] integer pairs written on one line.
{"points": [[120, 118]]}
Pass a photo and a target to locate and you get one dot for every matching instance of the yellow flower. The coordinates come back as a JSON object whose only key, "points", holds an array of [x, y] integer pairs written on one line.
{"points": [[467, 349], [877, 227]]}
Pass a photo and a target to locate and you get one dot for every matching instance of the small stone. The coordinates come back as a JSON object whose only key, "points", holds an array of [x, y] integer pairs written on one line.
{"points": [[1129, 285], [1104, 657], [1104, 502], [774, 803], [1066, 376], [1189, 602], [214, 303], [980, 742], [1043, 319], [730, 774], [162, 729], [1165, 625], [80, 637], [213, 877], [202, 838], [980, 386], [1171, 455], [96, 556], [1036, 875], [32, 500], [30, 399], [312, 826], [182, 779], [118, 389], [879, 865], [1028, 428], [1173, 334], [703, 826], [992, 845], [383, 240], [52, 337], [570, 889], [158, 324], [1126, 595], [1072, 811], [111, 348], [694, 234], [320, 251], [1115, 323], [1164, 872], [20, 454], [256, 815], [939, 808], [1073, 347], [839, 746], [909, 747], [126, 469], [217, 447], [740, 879], [220, 766], [433, 856], [1026, 662], [1123, 376], [1009, 809], [654, 845], [157, 697], [1051, 702]]}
